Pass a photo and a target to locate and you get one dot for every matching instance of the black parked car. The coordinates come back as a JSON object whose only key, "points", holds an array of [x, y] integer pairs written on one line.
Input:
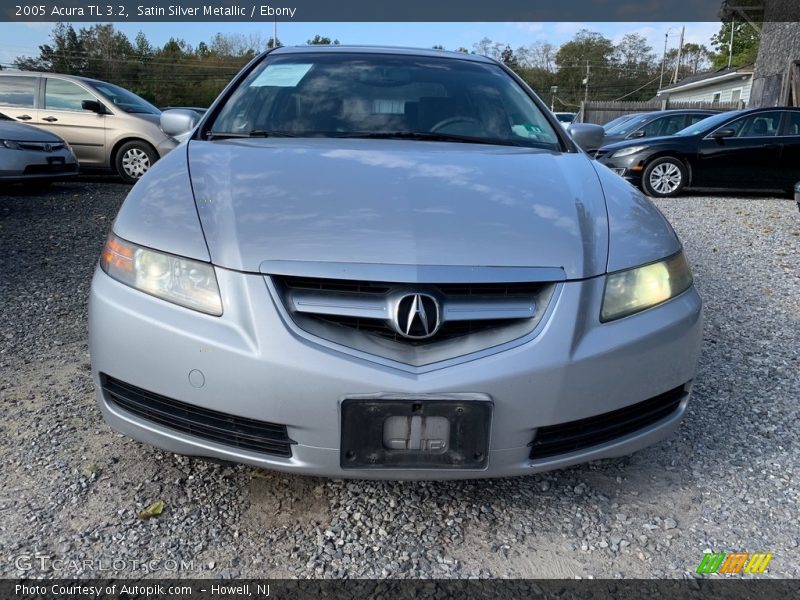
{"points": [[654, 124], [757, 149]]}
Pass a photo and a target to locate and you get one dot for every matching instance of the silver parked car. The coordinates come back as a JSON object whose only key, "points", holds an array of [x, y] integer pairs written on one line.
{"points": [[32, 156], [385, 263], [109, 127]]}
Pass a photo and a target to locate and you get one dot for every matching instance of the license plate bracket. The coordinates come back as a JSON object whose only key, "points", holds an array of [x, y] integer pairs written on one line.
{"points": [[466, 447]]}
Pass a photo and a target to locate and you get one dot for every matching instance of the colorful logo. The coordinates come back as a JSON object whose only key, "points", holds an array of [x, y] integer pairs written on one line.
{"points": [[734, 562]]}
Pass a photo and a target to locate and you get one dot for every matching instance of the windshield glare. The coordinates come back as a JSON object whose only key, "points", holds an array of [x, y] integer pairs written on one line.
{"points": [[705, 125], [615, 122], [347, 95], [628, 125], [124, 99]]}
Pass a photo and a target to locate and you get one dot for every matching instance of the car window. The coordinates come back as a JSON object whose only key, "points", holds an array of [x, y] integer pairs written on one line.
{"points": [[628, 126], [756, 125], [348, 95], [708, 124], [17, 91], [695, 118], [664, 126], [124, 99], [792, 126], [64, 95]]}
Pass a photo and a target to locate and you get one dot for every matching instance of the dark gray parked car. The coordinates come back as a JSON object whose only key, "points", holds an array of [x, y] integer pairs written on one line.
{"points": [[31, 155], [652, 124]]}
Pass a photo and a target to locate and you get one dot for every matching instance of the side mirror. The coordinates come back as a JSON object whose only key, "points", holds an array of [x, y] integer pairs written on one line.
{"points": [[94, 106], [178, 121], [637, 134], [587, 135], [721, 134]]}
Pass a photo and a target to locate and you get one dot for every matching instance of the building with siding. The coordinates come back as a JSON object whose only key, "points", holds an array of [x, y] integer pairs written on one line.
{"points": [[726, 85]]}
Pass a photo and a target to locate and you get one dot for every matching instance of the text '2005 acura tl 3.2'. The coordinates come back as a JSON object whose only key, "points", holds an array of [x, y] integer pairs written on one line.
{"points": [[383, 263]]}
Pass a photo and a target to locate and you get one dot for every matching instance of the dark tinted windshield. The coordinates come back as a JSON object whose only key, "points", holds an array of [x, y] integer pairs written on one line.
{"points": [[124, 99], [629, 125], [342, 94], [707, 124], [614, 122]]}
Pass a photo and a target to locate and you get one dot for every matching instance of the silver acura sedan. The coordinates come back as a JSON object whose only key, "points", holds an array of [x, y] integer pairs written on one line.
{"points": [[385, 263]]}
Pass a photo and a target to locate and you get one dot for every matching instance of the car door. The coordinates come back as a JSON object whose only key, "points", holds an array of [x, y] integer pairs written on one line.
{"points": [[17, 97], [790, 150], [749, 159], [63, 114]]}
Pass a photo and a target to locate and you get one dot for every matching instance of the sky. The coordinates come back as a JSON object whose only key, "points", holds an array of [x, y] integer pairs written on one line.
{"points": [[24, 38]]}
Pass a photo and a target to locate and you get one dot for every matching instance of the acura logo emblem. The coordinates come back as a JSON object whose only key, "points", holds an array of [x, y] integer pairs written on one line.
{"points": [[416, 316]]}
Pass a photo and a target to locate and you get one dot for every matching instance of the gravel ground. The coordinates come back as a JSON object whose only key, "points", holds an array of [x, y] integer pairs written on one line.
{"points": [[70, 488]]}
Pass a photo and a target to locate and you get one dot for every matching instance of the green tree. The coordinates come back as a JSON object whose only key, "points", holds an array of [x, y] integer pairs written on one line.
{"points": [[587, 49], [319, 40], [65, 54], [746, 40]]}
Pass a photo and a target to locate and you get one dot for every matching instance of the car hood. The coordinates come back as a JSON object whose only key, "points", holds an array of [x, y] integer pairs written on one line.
{"points": [[398, 202], [646, 141], [19, 132]]}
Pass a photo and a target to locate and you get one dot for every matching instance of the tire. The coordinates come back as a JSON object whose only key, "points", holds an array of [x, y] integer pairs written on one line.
{"points": [[133, 160], [665, 177]]}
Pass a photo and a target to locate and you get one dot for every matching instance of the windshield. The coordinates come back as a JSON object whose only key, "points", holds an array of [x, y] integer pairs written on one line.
{"points": [[618, 121], [706, 124], [628, 125], [124, 99], [376, 95]]}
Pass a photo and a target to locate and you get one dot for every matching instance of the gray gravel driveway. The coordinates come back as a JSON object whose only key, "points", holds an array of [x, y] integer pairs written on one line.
{"points": [[70, 488]]}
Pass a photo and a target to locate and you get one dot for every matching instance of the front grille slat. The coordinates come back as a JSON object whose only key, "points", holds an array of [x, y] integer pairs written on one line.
{"points": [[585, 433], [230, 430], [355, 294]]}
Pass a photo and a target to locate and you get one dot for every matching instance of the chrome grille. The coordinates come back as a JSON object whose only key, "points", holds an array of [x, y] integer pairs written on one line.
{"points": [[41, 146], [364, 315]]}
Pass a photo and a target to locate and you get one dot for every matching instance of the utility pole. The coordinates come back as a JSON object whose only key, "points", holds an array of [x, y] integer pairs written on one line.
{"points": [[586, 82], [680, 50], [730, 48], [663, 61], [275, 32]]}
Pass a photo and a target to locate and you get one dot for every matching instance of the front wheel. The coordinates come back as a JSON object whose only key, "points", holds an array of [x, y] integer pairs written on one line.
{"points": [[664, 177], [133, 160]]}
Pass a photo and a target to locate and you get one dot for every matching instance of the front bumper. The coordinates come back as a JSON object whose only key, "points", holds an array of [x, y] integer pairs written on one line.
{"points": [[166, 146], [30, 165], [630, 168], [251, 365]]}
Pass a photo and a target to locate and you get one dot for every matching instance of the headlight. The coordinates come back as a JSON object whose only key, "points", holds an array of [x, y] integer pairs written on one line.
{"points": [[628, 151], [628, 292], [10, 144], [189, 283]]}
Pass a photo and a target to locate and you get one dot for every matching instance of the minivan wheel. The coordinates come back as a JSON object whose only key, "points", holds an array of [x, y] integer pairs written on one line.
{"points": [[664, 177], [133, 160]]}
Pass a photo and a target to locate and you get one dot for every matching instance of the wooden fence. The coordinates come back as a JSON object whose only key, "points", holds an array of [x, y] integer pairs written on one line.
{"points": [[601, 112]]}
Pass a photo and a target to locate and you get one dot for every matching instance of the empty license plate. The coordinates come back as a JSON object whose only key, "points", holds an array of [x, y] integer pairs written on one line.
{"points": [[416, 434]]}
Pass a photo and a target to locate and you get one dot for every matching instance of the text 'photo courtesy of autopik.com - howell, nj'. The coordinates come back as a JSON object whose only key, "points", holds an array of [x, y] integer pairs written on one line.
{"points": [[399, 299]]}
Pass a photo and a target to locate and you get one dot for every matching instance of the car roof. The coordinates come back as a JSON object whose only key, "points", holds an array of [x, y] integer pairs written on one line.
{"points": [[47, 73], [398, 50]]}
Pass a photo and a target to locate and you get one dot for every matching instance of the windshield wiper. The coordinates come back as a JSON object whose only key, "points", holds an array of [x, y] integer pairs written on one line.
{"points": [[428, 136], [219, 135]]}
